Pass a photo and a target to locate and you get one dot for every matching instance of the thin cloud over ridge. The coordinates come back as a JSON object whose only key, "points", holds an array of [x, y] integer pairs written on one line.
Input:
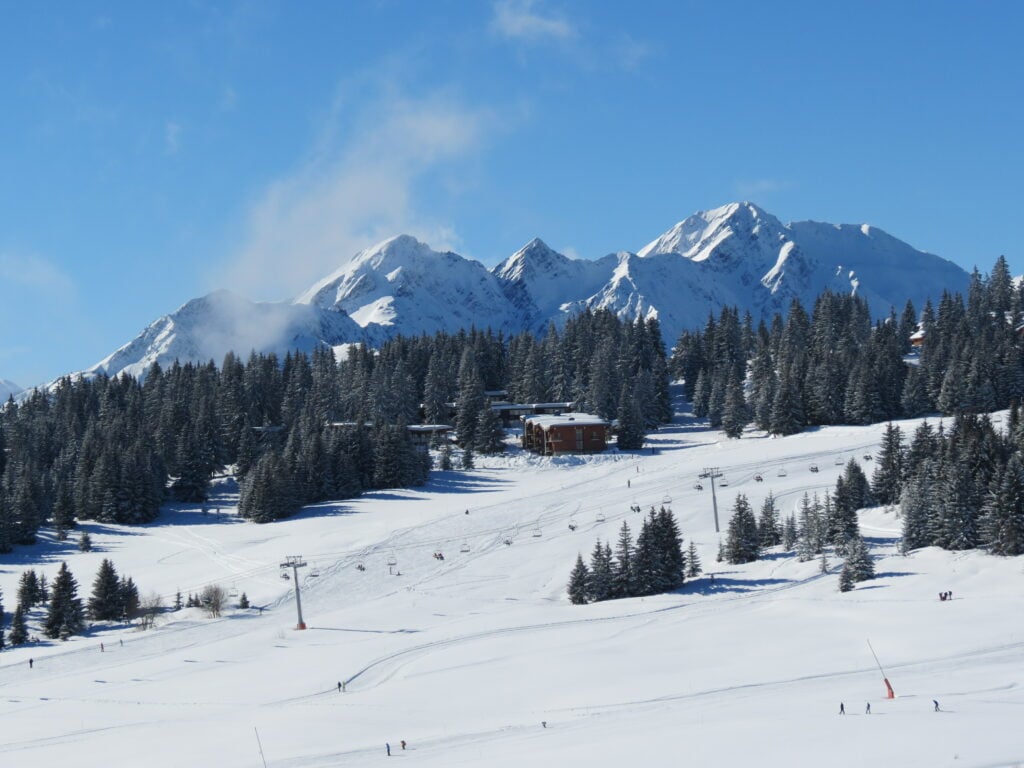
{"points": [[517, 19]]}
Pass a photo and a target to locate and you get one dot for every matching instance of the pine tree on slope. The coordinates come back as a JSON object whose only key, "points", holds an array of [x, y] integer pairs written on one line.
{"points": [[579, 582], [65, 615]]}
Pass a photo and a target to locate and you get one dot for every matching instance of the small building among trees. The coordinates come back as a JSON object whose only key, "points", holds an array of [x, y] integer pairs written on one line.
{"points": [[550, 435]]}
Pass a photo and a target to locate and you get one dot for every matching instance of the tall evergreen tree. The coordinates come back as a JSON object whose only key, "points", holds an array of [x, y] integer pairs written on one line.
{"points": [[579, 582], [105, 602], [66, 615], [742, 540]]}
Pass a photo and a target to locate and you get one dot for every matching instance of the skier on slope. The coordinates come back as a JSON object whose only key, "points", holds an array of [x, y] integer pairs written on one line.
{"points": [[842, 709], [867, 710], [936, 703]]}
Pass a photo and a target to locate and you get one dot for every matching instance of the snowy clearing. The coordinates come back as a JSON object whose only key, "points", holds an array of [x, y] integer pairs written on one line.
{"points": [[465, 657]]}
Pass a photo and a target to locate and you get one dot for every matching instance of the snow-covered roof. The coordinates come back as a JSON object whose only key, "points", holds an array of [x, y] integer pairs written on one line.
{"points": [[566, 419]]}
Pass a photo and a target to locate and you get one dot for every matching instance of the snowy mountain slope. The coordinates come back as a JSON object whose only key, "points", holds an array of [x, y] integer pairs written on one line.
{"points": [[465, 658], [8, 388], [750, 253], [402, 286], [737, 255], [540, 282], [209, 327]]}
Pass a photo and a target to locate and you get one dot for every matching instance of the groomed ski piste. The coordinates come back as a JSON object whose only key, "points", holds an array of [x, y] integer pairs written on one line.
{"points": [[479, 659]]}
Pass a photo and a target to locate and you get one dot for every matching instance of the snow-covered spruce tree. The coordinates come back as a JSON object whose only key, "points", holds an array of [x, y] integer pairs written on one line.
{"points": [[790, 533], [66, 615], [579, 582], [693, 566], [768, 528], [742, 543], [846, 580], [29, 591], [809, 536], [887, 481], [601, 573], [128, 595], [490, 437], [467, 459], [1003, 521], [671, 559], [647, 577], [19, 632], [862, 568], [916, 508], [105, 603], [735, 414], [631, 428], [471, 400], [623, 582], [85, 542]]}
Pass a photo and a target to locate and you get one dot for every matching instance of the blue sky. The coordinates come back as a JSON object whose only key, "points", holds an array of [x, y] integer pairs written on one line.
{"points": [[151, 152]]}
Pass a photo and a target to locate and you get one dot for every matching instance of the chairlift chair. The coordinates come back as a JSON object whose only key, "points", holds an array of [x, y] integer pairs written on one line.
{"points": [[814, 467], [537, 533], [782, 472], [666, 499], [392, 560], [233, 592], [723, 483], [867, 457], [698, 487], [758, 478], [285, 576], [464, 548], [315, 572], [600, 517], [839, 461], [573, 525], [360, 567]]}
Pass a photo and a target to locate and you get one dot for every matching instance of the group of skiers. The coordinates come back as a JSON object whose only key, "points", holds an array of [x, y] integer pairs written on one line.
{"points": [[387, 746], [945, 596], [439, 556], [867, 708]]}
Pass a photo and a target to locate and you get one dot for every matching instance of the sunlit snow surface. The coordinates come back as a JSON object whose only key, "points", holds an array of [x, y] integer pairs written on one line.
{"points": [[464, 658]]}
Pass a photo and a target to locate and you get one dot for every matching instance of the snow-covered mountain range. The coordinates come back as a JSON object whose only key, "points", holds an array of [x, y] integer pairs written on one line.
{"points": [[8, 388], [738, 255]]}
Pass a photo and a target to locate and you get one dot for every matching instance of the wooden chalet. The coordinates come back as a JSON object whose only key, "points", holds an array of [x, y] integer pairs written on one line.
{"points": [[551, 435]]}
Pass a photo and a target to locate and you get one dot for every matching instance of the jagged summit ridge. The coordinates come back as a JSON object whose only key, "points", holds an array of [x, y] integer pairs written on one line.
{"points": [[738, 255]]}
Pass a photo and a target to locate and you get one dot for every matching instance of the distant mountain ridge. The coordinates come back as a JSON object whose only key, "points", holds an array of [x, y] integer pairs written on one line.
{"points": [[737, 255], [8, 388]]}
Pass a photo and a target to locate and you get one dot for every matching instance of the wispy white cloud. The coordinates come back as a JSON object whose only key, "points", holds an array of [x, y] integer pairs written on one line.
{"points": [[172, 137], [358, 186], [522, 20], [29, 272]]}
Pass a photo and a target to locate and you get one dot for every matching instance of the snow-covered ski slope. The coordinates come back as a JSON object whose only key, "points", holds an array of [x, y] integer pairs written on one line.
{"points": [[465, 658]]}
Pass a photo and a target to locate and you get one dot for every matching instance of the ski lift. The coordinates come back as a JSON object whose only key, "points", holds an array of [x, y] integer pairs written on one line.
{"points": [[723, 483], [839, 461], [233, 592], [537, 533], [464, 548], [285, 576], [698, 487], [758, 478], [666, 499], [315, 572], [782, 472], [814, 467], [392, 560], [867, 457], [600, 517], [573, 525], [360, 567], [508, 542]]}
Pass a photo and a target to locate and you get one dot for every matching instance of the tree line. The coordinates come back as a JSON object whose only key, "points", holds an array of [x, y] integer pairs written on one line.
{"points": [[113, 598], [833, 366], [652, 564], [307, 428]]}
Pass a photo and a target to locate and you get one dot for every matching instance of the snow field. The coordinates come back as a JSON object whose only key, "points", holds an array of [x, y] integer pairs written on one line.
{"points": [[464, 658]]}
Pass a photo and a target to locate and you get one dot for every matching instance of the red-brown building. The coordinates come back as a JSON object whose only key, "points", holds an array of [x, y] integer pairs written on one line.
{"points": [[566, 433]]}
